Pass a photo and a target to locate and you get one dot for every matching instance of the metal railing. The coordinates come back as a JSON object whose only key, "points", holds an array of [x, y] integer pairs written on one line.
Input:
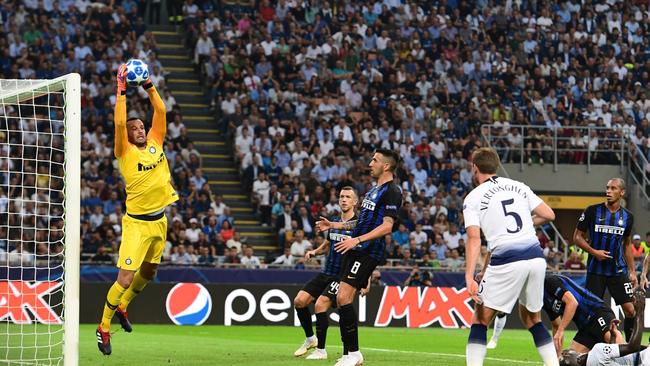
{"points": [[638, 168], [557, 145]]}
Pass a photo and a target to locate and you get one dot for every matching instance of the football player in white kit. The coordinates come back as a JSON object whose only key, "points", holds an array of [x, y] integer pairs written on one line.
{"points": [[603, 354], [502, 208]]}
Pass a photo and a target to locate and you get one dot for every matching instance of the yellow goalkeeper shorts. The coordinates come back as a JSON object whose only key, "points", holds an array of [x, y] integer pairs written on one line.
{"points": [[141, 241]]}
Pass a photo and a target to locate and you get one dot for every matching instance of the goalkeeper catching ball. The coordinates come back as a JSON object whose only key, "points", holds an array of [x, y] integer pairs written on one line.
{"points": [[148, 192]]}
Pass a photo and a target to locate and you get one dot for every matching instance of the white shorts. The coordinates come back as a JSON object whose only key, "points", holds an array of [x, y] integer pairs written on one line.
{"points": [[502, 285]]}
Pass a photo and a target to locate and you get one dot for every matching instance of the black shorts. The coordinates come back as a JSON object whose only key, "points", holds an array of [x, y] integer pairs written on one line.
{"points": [[597, 327], [318, 285], [331, 290], [620, 287], [356, 268]]}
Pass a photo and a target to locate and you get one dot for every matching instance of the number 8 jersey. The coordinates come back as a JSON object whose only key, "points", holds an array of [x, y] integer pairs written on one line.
{"points": [[502, 208]]}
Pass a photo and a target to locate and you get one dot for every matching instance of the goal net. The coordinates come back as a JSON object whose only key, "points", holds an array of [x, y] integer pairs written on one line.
{"points": [[39, 221]]}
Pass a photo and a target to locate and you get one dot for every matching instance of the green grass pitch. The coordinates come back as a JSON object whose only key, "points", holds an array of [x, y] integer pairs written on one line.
{"points": [[274, 345]]}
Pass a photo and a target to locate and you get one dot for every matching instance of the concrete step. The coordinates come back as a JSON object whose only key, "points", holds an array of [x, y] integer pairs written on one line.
{"points": [[167, 38], [174, 60], [162, 29]]}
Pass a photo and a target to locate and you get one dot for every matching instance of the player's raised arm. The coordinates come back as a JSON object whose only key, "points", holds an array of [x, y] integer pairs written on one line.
{"points": [[121, 135], [159, 124]]}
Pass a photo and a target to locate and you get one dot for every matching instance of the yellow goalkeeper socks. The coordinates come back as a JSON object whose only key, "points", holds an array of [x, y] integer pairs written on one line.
{"points": [[136, 287], [112, 300]]}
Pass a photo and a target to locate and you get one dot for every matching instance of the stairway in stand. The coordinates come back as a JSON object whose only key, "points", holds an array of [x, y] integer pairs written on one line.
{"points": [[218, 165]]}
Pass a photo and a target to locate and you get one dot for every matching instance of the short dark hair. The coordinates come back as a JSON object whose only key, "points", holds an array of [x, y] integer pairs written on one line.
{"points": [[393, 158], [486, 160], [132, 119], [350, 188]]}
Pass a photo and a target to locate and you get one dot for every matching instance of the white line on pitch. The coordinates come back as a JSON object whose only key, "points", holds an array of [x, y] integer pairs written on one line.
{"points": [[446, 355]]}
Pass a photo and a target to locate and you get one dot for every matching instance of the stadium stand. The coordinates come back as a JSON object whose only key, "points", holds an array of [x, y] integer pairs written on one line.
{"points": [[277, 105]]}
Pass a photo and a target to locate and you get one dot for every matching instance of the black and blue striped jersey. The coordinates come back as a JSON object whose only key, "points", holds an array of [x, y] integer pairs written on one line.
{"points": [[333, 262], [555, 286], [607, 231], [379, 202]]}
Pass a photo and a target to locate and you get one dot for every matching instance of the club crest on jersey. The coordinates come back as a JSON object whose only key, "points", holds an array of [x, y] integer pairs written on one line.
{"points": [[374, 195], [368, 204], [582, 217], [152, 149], [620, 222]]}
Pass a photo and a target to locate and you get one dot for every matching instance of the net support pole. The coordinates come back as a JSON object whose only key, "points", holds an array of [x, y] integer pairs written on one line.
{"points": [[72, 217]]}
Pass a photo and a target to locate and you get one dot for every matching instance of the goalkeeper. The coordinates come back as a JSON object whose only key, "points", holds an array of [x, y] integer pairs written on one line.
{"points": [[148, 192]]}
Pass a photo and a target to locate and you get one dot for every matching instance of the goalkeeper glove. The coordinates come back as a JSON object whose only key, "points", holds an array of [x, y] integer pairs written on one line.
{"points": [[121, 80]]}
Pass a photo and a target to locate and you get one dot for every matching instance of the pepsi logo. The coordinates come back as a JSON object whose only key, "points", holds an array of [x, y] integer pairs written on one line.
{"points": [[188, 304]]}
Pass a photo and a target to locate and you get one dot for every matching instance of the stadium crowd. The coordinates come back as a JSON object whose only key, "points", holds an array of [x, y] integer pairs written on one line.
{"points": [[307, 90]]}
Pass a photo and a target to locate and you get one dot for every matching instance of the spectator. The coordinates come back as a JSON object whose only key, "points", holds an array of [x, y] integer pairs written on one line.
{"points": [[232, 257], [637, 248], [299, 246], [181, 256], [574, 262], [439, 248], [284, 260], [401, 236], [205, 258], [454, 262], [234, 242], [227, 231], [249, 260], [192, 234], [419, 237]]}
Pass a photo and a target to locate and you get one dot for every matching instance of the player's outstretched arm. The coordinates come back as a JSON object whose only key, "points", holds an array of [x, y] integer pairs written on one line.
{"points": [[323, 248], [644, 272], [634, 344], [629, 259], [380, 231], [570, 307], [121, 135], [159, 123]]}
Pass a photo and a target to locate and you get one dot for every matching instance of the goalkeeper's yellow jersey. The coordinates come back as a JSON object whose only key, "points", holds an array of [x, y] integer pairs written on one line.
{"points": [[146, 172]]}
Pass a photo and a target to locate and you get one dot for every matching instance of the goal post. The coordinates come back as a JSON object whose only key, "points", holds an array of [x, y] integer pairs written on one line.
{"points": [[40, 177]]}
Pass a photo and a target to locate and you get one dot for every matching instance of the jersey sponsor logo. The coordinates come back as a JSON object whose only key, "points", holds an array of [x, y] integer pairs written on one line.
{"points": [[425, 306], [188, 304], [368, 204], [607, 229], [142, 167], [391, 207], [336, 237], [22, 301]]}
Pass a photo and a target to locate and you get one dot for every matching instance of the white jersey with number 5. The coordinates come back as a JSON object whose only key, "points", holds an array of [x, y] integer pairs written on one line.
{"points": [[502, 208]]}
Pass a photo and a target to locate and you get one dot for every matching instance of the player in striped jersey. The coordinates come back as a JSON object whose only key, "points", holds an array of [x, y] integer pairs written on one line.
{"points": [[324, 286], [365, 250], [611, 262], [565, 300], [603, 354]]}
